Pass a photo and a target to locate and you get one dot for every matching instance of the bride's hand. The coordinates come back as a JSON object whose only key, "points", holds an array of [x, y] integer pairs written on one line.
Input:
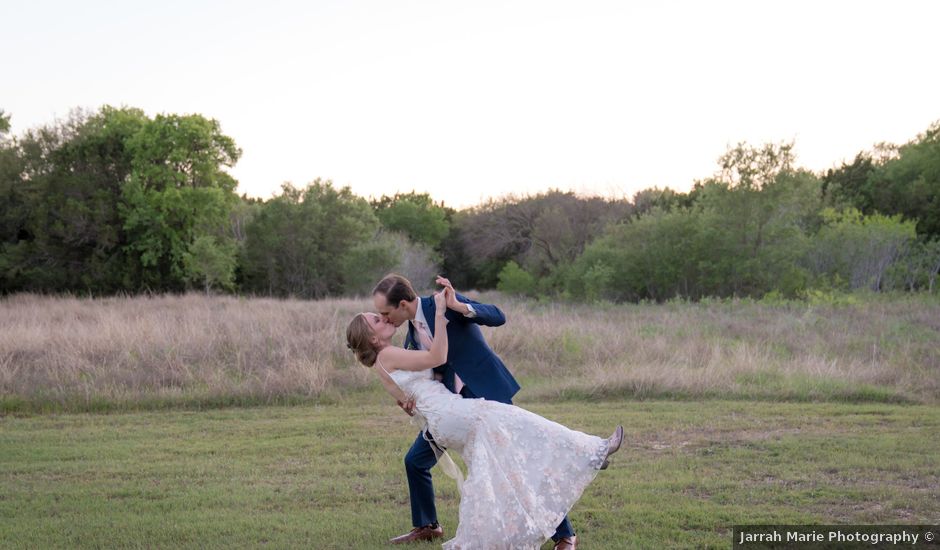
{"points": [[451, 294], [408, 406], [440, 301]]}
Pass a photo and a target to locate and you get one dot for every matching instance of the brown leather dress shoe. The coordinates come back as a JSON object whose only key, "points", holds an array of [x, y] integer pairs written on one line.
{"points": [[567, 543], [419, 534]]}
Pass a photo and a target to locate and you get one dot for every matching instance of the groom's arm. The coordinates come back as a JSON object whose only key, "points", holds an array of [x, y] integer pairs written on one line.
{"points": [[481, 314], [469, 310]]}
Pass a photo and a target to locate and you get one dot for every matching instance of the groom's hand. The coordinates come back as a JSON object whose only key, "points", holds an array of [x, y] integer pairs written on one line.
{"points": [[452, 301], [408, 406]]}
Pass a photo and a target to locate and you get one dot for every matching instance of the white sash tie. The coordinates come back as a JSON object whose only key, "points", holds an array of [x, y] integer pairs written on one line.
{"points": [[448, 466]]}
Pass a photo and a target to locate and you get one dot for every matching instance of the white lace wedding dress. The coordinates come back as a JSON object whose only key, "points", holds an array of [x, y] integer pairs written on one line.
{"points": [[524, 472]]}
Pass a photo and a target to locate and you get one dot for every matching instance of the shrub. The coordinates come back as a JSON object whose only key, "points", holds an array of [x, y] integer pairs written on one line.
{"points": [[515, 280]]}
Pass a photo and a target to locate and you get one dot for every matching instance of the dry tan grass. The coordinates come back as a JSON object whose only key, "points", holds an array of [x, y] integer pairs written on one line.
{"points": [[876, 349], [127, 349], [71, 353]]}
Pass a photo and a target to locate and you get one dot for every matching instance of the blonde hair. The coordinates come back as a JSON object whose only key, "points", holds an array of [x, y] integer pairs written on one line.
{"points": [[359, 340]]}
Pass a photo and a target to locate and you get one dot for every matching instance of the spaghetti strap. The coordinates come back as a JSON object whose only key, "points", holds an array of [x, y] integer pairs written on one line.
{"points": [[379, 363]]}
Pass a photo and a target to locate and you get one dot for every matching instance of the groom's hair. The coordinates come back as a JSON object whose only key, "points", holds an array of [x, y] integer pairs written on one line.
{"points": [[395, 288]]}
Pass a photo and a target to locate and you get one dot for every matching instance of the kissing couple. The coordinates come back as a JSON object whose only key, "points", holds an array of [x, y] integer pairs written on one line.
{"points": [[524, 472]]}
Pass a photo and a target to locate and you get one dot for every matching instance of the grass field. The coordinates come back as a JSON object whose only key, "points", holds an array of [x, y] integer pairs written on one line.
{"points": [[222, 422], [331, 476]]}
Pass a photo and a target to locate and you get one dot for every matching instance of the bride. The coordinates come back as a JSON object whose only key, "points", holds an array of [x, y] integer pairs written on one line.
{"points": [[524, 472]]}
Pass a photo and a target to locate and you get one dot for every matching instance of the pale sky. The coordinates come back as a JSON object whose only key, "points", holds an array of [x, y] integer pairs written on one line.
{"points": [[467, 100]]}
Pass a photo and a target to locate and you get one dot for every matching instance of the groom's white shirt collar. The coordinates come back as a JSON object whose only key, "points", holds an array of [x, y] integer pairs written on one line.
{"points": [[420, 318]]}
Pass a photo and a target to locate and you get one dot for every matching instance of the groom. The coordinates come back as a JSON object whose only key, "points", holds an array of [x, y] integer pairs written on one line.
{"points": [[472, 370]]}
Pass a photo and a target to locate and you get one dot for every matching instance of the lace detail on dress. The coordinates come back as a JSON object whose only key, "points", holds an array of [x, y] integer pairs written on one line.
{"points": [[447, 464], [524, 472]]}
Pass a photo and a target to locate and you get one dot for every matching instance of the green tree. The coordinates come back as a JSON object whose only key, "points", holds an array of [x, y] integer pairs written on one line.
{"points": [[744, 234], [367, 262], [756, 237], [209, 264], [415, 215], [12, 211], [597, 281], [847, 186], [300, 242], [918, 265], [910, 184], [931, 262], [654, 257], [515, 280], [857, 250], [542, 233], [755, 167], [457, 263], [62, 227], [665, 199], [4, 124], [893, 180], [178, 191], [110, 201]]}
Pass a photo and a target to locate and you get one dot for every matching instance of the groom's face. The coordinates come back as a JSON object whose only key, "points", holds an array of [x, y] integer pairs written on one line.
{"points": [[395, 314]]}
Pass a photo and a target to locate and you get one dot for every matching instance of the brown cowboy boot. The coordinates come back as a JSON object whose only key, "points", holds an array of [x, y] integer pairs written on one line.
{"points": [[613, 445]]}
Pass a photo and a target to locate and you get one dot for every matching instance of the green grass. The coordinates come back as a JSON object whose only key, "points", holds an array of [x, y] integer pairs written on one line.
{"points": [[331, 475]]}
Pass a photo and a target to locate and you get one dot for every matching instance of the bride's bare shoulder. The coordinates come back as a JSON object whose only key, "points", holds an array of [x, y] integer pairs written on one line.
{"points": [[390, 358], [405, 359]]}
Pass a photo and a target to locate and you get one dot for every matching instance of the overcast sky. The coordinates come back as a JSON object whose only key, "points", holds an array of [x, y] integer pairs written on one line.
{"points": [[476, 99]]}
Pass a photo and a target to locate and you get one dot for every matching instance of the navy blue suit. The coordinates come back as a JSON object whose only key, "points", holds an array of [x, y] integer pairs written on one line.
{"points": [[483, 374]]}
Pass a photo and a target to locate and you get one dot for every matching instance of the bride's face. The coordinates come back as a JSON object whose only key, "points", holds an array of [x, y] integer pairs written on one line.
{"points": [[381, 329]]}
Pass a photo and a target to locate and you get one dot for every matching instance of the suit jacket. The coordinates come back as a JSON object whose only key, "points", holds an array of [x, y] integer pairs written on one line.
{"points": [[468, 354]]}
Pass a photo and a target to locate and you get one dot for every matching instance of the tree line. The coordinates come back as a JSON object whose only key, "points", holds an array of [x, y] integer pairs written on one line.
{"points": [[115, 201]]}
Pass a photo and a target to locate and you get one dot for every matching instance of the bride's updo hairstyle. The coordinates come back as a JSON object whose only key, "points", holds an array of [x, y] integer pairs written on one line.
{"points": [[358, 339]]}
